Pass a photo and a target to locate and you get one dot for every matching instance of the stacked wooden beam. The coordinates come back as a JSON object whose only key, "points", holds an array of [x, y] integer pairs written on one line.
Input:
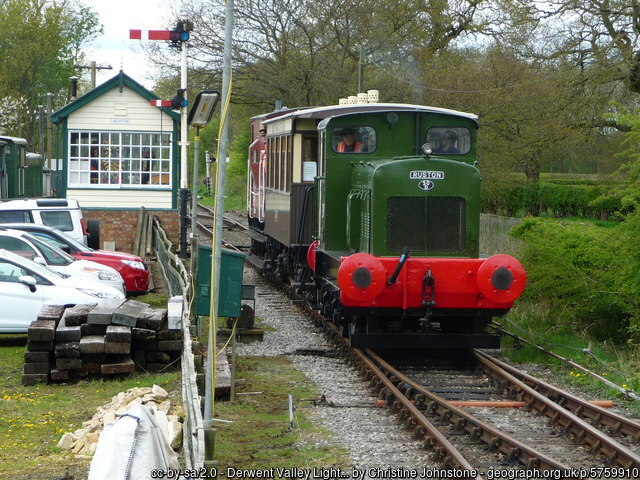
{"points": [[110, 338]]}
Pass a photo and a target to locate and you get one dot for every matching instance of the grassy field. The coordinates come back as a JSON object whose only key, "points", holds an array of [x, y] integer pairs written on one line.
{"points": [[33, 418], [616, 363]]}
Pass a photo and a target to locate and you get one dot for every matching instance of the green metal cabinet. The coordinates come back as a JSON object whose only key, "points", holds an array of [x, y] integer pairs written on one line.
{"points": [[231, 271]]}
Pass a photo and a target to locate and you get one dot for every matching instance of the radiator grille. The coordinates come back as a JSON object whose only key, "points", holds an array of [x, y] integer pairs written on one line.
{"points": [[431, 224], [446, 224], [406, 224]]}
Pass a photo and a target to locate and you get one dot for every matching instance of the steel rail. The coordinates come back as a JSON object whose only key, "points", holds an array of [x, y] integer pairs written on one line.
{"points": [[444, 451], [475, 428], [600, 443], [599, 417]]}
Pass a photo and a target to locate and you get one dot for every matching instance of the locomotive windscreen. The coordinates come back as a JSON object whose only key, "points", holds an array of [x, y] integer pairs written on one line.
{"points": [[426, 224]]}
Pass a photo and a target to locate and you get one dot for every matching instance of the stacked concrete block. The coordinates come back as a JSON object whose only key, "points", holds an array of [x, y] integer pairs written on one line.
{"points": [[110, 338], [40, 344]]}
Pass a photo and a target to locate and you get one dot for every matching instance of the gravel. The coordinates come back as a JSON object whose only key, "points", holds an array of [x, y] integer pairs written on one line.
{"points": [[349, 402]]}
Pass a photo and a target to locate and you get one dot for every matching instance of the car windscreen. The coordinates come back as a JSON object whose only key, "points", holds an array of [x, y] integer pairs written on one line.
{"points": [[58, 219], [31, 268], [52, 255]]}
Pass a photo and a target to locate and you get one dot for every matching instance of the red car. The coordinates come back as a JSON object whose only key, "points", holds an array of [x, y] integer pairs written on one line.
{"points": [[133, 269]]}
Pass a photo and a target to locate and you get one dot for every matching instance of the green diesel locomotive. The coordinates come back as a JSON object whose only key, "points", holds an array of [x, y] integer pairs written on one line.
{"points": [[372, 211]]}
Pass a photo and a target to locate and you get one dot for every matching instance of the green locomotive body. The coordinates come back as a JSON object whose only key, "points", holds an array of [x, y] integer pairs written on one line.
{"points": [[382, 232]]}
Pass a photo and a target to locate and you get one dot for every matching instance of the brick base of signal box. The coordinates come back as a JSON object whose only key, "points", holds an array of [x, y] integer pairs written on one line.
{"points": [[118, 227]]}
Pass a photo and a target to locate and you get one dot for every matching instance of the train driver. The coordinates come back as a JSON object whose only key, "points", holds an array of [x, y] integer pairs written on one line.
{"points": [[349, 142], [448, 142]]}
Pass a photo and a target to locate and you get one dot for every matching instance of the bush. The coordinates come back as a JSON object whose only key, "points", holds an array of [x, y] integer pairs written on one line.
{"points": [[586, 273], [560, 200]]}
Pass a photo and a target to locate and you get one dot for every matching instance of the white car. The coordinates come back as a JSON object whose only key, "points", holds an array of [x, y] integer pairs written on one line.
{"points": [[25, 286], [61, 213], [31, 247]]}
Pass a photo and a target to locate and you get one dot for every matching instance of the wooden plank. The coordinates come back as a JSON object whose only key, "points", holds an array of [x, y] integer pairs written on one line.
{"points": [[41, 331], [126, 365], [65, 333], [223, 377], [118, 333], [152, 318], [92, 344], [51, 312]]}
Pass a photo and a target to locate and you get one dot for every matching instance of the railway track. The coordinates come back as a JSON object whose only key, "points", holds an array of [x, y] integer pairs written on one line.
{"points": [[554, 431], [560, 437], [233, 227]]}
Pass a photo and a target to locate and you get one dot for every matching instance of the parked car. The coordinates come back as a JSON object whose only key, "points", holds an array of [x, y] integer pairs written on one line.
{"points": [[133, 269], [28, 246], [25, 286], [61, 213]]}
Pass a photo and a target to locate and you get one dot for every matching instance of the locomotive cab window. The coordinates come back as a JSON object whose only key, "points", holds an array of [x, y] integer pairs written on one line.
{"points": [[449, 140], [354, 140]]}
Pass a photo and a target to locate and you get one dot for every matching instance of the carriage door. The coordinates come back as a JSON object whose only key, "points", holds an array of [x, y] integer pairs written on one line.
{"points": [[320, 184]]}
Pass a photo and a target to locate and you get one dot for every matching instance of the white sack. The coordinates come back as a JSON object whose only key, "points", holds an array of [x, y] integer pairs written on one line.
{"points": [[131, 447]]}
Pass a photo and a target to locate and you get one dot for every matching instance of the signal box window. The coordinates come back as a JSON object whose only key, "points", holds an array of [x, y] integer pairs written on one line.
{"points": [[354, 140], [122, 159], [449, 140]]}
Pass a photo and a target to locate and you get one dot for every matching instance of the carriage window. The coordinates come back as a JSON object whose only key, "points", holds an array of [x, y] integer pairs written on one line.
{"points": [[354, 140], [449, 140], [309, 158]]}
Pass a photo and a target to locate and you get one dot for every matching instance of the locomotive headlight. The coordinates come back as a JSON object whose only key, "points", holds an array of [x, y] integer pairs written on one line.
{"points": [[361, 277], [427, 149]]}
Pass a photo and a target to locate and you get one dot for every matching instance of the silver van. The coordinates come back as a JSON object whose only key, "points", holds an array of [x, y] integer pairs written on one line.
{"points": [[61, 213]]}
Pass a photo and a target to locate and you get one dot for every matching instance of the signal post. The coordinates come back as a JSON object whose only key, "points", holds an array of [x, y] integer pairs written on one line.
{"points": [[178, 38]]}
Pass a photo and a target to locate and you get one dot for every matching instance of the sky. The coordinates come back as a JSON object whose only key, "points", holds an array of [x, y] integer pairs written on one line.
{"points": [[114, 48]]}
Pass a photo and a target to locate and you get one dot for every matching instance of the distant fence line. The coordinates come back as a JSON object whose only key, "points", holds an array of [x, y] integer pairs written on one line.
{"points": [[494, 235]]}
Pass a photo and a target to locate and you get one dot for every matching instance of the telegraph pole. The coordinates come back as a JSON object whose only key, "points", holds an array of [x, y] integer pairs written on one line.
{"points": [[93, 67]]}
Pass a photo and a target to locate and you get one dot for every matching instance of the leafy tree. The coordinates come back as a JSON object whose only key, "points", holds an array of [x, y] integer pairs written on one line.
{"points": [[41, 41]]}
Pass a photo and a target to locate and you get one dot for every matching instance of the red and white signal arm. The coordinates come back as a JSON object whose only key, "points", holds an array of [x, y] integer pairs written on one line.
{"points": [[150, 34]]}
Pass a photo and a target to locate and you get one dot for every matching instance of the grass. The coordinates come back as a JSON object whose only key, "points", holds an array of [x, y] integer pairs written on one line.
{"points": [[260, 436], [536, 324], [33, 418]]}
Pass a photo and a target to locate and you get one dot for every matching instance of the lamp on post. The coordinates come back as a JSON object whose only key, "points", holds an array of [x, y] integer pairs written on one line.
{"points": [[199, 115]]}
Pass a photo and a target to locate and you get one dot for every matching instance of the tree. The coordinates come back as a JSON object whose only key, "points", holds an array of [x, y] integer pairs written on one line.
{"points": [[40, 41], [601, 38]]}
